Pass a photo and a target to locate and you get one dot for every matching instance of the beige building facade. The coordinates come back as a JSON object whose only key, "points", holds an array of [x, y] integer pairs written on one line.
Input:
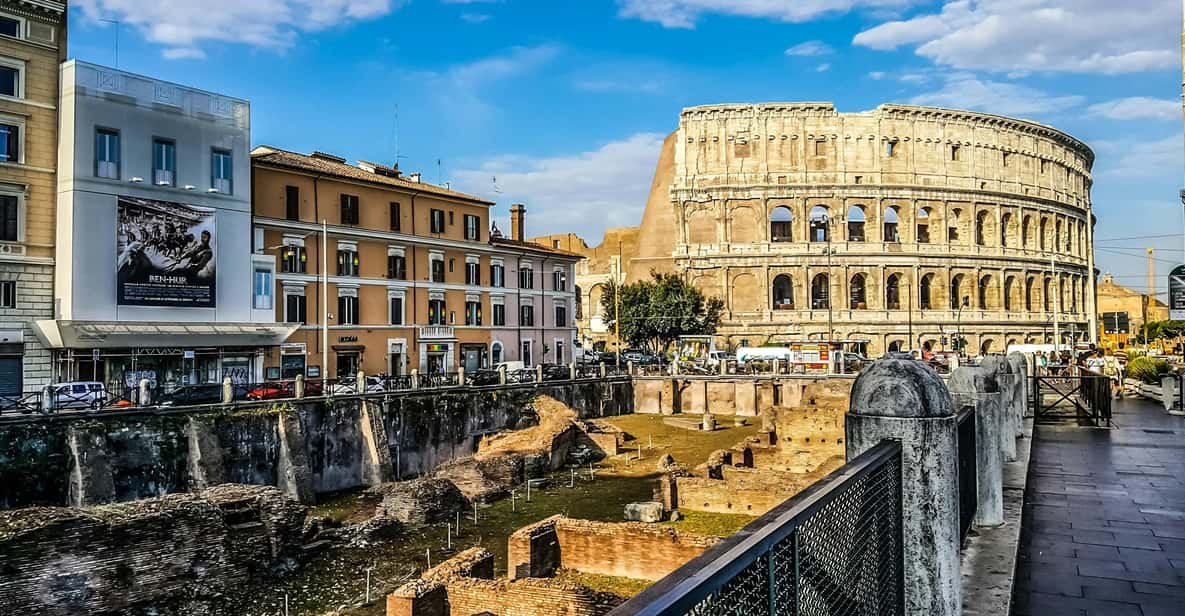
{"points": [[32, 45], [903, 226]]}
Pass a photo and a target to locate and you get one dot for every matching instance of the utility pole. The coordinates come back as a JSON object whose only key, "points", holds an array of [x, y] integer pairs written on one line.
{"points": [[324, 299], [617, 307], [1056, 287], [830, 277]]}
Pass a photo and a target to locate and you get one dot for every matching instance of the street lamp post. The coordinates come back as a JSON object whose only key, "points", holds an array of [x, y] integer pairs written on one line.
{"points": [[830, 276]]}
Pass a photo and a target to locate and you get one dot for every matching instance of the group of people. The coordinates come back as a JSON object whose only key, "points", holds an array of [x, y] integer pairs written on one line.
{"points": [[1099, 361]]}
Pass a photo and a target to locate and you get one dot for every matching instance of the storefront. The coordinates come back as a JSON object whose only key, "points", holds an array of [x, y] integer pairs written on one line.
{"points": [[474, 357]]}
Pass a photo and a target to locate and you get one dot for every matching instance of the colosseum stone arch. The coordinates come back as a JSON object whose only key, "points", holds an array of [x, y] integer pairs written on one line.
{"points": [[947, 219]]}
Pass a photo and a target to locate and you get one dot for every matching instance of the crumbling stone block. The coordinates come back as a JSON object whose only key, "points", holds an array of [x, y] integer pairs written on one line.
{"points": [[643, 512], [420, 501]]}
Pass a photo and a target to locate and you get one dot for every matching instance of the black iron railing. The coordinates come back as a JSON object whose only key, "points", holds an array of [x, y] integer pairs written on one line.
{"points": [[968, 479], [1084, 397], [835, 549]]}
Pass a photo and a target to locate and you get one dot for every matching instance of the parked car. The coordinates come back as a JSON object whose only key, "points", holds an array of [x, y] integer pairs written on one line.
{"points": [[192, 394], [483, 377], [78, 395]]}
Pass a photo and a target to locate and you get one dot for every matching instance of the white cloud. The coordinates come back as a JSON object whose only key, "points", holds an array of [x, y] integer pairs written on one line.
{"points": [[810, 48], [685, 13], [611, 85], [1020, 36], [584, 193], [823, 68], [459, 90], [965, 91], [1137, 108], [877, 75], [475, 18], [1129, 159], [183, 27]]}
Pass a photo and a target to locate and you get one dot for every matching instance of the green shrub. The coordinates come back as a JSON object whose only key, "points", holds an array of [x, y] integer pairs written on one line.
{"points": [[1147, 369]]}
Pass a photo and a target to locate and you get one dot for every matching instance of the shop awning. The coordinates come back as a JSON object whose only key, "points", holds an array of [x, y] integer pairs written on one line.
{"points": [[126, 334]]}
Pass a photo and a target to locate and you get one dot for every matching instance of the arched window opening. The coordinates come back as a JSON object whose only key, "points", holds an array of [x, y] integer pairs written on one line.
{"points": [[855, 224], [783, 292], [957, 299], [981, 223], [952, 231], [781, 224], [1029, 294], [1005, 221], [1048, 295], [1009, 283], [495, 353], [986, 347], [821, 292], [1026, 231], [891, 232], [893, 293], [820, 227], [924, 225], [925, 292], [1042, 231], [985, 288], [1057, 235], [1074, 296], [857, 299], [895, 346]]}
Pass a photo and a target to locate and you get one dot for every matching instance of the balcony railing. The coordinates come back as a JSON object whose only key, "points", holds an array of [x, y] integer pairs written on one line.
{"points": [[437, 332]]}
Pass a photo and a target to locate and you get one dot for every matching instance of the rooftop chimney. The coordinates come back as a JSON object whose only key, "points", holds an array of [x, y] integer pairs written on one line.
{"points": [[517, 211]]}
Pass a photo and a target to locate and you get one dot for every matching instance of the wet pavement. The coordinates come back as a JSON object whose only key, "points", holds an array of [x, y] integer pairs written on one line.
{"points": [[1104, 518]]}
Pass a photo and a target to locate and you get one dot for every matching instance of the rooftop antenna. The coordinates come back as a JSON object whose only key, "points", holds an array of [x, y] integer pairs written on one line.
{"points": [[439, 172], [116, 22], [395, 136]]}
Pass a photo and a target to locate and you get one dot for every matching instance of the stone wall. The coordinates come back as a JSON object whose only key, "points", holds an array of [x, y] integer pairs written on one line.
{"points": [[748, 396], [627, 549], [304, 447], [177, 553]]}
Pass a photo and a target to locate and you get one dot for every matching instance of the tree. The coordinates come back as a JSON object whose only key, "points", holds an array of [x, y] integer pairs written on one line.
{"points": [[656, 312]]}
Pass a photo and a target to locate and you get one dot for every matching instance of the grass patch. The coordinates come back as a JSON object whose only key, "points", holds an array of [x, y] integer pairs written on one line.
{"points": [[656, 438], [620, 586], [714, 524]]}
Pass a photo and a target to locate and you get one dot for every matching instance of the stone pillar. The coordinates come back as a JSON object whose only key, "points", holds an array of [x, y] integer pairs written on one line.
{"points": [[1009, 401], [905, 400], [204, 460], [1020, 366], [572, 371], [228, 390], [91, 481], [360, 382], [708, 423], [975, 388], [539, 373], [294, 477], [604, 371], [415, 379], [376, 450], [502, 373], [146, 396], [461, 376], [298, 387]]}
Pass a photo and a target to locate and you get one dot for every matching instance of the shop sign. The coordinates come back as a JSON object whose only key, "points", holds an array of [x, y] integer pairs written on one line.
{"points": [[314, 371], [188, 355], [437, 348], [1177, 293], [347, 339]]}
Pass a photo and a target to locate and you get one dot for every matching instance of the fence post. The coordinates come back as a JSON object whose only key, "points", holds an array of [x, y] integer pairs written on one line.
{"points": [[1020, 367], [143, 393], [572, 371], [1009, 389], [298, 387], [539, 373], [979, 389], [904, 400], [775, 365], [415, 378], [629, 367], [228, 390], [461, 376], [604, 373], [502, 374], [360, 382]]}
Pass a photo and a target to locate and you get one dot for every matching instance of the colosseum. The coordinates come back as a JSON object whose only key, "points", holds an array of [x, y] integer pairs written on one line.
{"points": [[812, 223]]}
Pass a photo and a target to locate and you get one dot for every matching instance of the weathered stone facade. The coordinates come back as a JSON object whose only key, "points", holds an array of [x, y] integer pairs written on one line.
{"points": [[920, 209]]}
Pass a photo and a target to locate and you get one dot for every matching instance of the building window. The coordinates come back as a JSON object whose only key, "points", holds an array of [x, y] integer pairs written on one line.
{"points": [[498, 275], [107, 153], [525, 353], [164, 162], [10, 211], [495, 353], [292, 202], [10, 27], [436, 312], [559, 280], [526, 277], [559, 351], [397, 267], [437, 221], [347, 262], [347, 310], [561, 316], [12, 78], [472, 273], [10, 142], [472, 227], [222, 171], [781, 224], [396, 310], [263, 289], [293, 260], [450, 218], [395, 216], [472, 313], [526, 315], [890, 148], [8, 294], [349, 213], [499, 314], [294, 307], [438, 269]]}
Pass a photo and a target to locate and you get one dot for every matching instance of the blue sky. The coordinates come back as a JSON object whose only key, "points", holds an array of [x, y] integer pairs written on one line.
{"points": [[566, 101]]}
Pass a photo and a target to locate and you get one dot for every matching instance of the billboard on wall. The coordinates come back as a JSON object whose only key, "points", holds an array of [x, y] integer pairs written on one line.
{"points": [[166, 254], [1177, 293]]}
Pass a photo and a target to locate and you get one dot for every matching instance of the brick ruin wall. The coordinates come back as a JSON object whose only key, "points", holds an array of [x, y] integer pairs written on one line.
{"points": [[177, 554], [740, 395], [627, 549]]}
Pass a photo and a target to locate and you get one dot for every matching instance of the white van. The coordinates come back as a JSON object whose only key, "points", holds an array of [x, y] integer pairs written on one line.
{"points": [[78, 395]]}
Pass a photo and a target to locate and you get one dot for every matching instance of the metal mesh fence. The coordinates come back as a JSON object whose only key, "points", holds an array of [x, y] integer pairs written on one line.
{"points": [[834, 550], [968, 479]]}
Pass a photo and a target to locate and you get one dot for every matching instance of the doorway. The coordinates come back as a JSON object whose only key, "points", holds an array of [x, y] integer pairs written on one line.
{"points": [[436, 363], [348, 363]]}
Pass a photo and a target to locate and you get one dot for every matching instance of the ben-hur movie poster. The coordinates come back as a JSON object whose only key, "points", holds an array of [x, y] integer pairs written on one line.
{"points": [[166, 254]]}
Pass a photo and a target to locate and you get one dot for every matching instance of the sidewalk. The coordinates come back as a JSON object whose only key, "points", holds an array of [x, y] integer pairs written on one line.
{"points": [[1104, 518]]}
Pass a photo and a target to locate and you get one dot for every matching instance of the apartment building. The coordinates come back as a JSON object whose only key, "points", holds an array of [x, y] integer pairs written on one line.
{"points": [[32, 45], [388, 274], [154, 275]]}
